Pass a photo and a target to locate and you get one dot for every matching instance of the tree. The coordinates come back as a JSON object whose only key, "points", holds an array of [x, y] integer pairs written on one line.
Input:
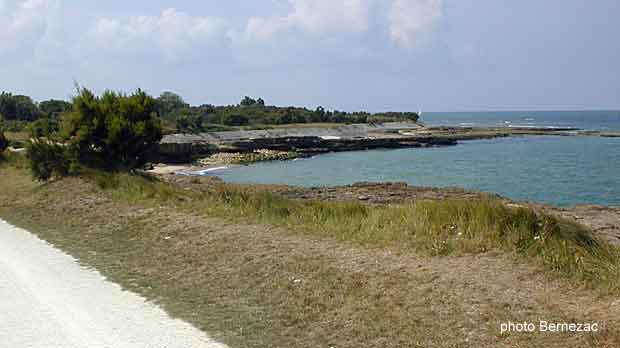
{"points": [[235, 120], [247, 101], [4, 143], [53, 108], [318, 115], [190, 123], [43, 127], [49, 160], [114, 131], [18, 107], [285, 118], [168, 103]]}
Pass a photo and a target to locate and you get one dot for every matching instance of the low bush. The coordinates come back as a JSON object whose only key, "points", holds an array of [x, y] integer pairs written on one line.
{"points": [[114, 131], [236, 120], [49, 160], [4, 143]]}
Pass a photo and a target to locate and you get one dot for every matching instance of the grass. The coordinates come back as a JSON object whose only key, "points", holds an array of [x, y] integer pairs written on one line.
{"points": [[432, 228], [257, 270]]}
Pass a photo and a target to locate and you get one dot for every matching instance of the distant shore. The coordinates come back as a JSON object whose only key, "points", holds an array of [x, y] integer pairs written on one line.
{"points": [[190, 153]]}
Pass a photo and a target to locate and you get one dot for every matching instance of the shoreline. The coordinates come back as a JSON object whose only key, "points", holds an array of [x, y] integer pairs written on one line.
{"points": [[603, 219], [294, 142]]}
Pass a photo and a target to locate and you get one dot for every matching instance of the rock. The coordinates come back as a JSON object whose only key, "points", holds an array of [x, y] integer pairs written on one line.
{"points": [[363, 198]]}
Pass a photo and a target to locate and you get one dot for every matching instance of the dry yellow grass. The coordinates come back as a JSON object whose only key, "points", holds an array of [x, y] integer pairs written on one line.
{"points": [[256, 285]]}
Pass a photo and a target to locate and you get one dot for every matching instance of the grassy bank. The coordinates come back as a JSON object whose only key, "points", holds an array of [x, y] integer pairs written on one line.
{"points": [[257, 270], [430, 228]]}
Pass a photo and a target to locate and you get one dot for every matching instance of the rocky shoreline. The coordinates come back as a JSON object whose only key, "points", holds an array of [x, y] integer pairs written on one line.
{"points": [[309, 141]]}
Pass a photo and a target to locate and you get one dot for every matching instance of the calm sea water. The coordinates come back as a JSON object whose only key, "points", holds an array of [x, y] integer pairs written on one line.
{"points": [[586, 120], [557, 170]]}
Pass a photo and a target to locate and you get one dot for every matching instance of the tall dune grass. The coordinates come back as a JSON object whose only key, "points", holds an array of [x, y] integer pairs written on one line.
{"points": [[432, 228]]}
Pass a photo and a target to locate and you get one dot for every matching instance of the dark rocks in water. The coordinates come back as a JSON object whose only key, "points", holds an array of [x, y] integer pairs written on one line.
{"points": [[304, 145], [316, 145]]}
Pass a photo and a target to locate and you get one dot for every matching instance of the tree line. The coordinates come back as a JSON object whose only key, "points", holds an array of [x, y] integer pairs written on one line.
{"points": [[110, 132], [252, 112], [20, 112]]}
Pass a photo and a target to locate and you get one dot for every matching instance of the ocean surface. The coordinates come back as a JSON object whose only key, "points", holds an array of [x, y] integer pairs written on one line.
{"points": [[558, 170], [585, 120]]}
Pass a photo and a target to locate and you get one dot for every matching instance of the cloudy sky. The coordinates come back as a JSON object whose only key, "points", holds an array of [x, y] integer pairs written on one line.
{"points": [[438, 55]]}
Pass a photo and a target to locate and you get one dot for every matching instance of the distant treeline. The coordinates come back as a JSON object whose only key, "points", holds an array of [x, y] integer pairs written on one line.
{"points": [[177, 115]]}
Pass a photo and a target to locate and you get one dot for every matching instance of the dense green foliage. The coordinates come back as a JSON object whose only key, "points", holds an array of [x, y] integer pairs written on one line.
{"points": [[20, 110], [255, 113], [179, 116], [114, 131], [43, 127], [49, 160], [4, 143], [18, 107], [54, 108]]}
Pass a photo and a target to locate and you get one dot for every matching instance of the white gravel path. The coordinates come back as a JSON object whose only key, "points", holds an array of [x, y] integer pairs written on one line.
{"points": [[47, 300]]}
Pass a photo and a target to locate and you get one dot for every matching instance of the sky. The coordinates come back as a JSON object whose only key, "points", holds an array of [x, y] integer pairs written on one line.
{"points": [[373, 55]]}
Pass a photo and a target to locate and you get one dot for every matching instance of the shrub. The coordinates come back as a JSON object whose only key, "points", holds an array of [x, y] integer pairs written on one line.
{"points": [[236, 120], [43, 127], [114, 131], [50, 160], [4, 143]]}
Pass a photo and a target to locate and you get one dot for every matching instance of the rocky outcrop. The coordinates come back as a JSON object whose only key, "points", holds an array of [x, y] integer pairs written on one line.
{"points": [[316, 145], [315, 140]]}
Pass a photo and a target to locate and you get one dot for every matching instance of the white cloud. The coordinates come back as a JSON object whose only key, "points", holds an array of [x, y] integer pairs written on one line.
{"points": [[411, 21], [24, 25], [321, 16], [174, 33], [317, 17], [263, 29]]}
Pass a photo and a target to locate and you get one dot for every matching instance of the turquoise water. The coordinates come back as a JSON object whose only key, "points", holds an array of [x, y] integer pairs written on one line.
{"points": [[586, 120], [558, 170]]}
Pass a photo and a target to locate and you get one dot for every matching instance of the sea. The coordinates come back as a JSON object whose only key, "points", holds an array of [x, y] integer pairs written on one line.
{"points": [[563, 171]]}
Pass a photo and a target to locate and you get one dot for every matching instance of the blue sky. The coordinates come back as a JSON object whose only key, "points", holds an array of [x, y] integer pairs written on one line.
{"points": [[438, 55]]}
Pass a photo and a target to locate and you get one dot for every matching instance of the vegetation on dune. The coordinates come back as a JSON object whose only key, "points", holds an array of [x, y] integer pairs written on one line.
{"points": [[4, 143], [114, 131], [48, 160], [433, 228], [274, 283], [111, 132]]}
